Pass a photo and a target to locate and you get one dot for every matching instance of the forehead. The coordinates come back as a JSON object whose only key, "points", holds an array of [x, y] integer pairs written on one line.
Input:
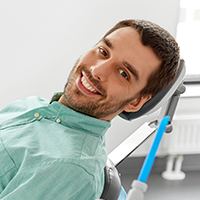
{"points": [[125, 33], [126, 43]]}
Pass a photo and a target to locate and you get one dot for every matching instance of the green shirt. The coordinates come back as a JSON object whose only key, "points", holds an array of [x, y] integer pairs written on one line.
{"points": [[48, 151]]}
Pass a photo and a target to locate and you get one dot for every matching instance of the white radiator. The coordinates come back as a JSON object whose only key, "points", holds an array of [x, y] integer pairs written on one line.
{"points": [[184, 139]]}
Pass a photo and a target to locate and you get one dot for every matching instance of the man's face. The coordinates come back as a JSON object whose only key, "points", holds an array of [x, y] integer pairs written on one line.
{"points": [[109, 77]]}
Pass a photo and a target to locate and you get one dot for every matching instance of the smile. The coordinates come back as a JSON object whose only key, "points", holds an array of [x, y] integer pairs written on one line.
{"points": [[87, 85]]}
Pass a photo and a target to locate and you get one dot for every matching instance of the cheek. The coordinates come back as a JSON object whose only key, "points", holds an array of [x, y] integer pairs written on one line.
{"points": [[121, 91], [116, 90]]}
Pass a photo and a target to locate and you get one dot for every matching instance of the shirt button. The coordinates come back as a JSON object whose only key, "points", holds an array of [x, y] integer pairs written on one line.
{"points": [[36, 115], [58, 121]]}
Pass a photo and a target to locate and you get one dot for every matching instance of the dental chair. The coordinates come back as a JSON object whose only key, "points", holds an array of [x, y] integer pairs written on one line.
{"points": [[161, 105]]}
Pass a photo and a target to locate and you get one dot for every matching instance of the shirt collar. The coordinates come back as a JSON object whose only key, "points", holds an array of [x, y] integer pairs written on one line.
{"points": [[77, 120]]}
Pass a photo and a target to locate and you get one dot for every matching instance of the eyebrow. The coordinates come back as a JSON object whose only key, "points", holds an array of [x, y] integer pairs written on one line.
{"points": [[132, 69], [108, 43]]}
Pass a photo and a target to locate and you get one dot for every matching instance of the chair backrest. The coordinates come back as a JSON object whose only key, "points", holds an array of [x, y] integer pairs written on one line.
{"points": [[112, 182], [159, 99], [112, 185]]}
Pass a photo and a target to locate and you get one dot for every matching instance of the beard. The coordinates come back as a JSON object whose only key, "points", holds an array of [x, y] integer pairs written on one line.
{"points": [[98, 107]]}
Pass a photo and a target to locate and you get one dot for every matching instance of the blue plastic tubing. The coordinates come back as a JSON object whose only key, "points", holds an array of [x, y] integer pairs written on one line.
{"points": [[147, 165]]}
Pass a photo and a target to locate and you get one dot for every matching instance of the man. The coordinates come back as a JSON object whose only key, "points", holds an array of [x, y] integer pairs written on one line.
{"points": [[57, 150]]}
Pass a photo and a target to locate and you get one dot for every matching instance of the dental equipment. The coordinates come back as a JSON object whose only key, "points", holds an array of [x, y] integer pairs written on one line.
{"points": [[165, 102]]}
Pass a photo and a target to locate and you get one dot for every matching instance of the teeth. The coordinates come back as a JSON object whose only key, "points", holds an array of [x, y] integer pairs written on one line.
{"points": [[87, 85]]}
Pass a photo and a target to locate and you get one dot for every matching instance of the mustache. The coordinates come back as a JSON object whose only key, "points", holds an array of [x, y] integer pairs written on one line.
{"points": [[94, 81]]}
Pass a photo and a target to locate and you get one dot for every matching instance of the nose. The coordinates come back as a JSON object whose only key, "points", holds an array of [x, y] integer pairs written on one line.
{"points": [[101, 70]]}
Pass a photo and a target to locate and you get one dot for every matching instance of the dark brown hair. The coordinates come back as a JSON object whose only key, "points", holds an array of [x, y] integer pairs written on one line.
{"points": [[163, 45]]}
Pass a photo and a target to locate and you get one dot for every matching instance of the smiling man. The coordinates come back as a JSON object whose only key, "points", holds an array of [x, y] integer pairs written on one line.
{"points": [[57, 150], [108, 78]]}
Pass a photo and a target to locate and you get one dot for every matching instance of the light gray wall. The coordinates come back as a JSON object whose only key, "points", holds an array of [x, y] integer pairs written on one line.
{"points": [[40, 40]]}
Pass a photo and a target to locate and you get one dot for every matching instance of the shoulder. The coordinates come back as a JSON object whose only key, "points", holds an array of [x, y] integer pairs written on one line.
{"points": [[23, 105]]}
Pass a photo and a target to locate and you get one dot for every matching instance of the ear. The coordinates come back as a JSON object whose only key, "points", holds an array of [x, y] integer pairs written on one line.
{"points": [[136, 104]]}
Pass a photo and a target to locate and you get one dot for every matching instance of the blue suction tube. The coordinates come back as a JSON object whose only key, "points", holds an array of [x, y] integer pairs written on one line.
{"points": [[147, 165]]}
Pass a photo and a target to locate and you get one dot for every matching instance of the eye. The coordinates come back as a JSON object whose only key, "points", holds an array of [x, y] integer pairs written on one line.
{"points": [[123, 73], [103, 52]]}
